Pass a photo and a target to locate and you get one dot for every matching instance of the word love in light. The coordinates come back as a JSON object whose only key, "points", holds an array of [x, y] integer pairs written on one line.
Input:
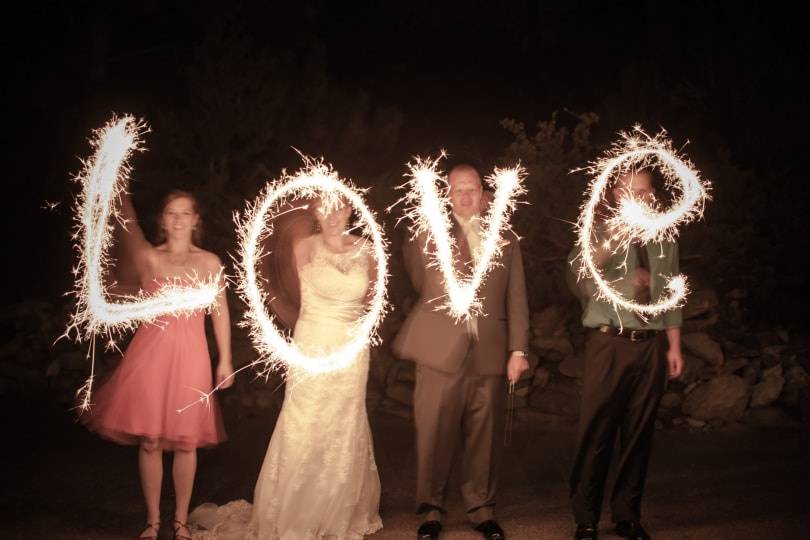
{"points": [[636, 220], [427, 210], [315, 179], [103, 180]]}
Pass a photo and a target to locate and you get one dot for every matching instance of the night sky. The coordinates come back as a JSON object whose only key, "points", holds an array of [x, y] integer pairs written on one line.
{"points": [[416, 77]]}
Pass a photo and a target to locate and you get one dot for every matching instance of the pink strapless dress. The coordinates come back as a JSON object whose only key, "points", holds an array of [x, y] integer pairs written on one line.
{"points": [[163, 365]]}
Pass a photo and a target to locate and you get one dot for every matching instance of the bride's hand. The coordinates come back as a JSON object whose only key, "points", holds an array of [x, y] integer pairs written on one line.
{"points": [[224, 375]]}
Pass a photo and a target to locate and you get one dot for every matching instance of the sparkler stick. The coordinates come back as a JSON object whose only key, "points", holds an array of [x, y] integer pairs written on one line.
{"points": [[638, 220], [316, 178], [510, 415], [427, 210], [103, 180]]}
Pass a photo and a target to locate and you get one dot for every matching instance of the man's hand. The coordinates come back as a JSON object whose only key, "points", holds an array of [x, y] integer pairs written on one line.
{"points": [[224, 374], [516, 367], [674, 356], [674, 362]]}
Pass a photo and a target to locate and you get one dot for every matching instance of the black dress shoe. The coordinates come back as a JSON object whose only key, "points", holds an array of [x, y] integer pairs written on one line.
{"points": [[490, 530], [632, 530], [429, 530], [587, 532]]}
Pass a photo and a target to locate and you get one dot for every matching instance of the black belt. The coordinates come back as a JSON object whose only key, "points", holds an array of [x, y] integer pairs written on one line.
{"points": [[632, 335]]}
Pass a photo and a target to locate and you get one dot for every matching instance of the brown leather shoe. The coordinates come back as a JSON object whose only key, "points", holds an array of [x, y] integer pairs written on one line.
{"points": [[632, 530], [588, 531], [490, 530]]}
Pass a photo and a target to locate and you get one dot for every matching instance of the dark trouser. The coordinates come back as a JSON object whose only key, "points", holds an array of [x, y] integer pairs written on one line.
{"points": [[451, 409], [622, 387]]}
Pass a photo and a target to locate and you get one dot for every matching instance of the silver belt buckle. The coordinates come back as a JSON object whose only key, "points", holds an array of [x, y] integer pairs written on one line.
{"points": [[637, 335]]}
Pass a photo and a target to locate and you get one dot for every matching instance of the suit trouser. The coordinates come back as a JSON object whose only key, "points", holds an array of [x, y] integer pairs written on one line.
{"points": [[453, 409], [622, 388]]}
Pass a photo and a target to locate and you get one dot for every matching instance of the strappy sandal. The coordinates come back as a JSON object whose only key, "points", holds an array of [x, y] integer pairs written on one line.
{"points": [[180, 525], [155, 527]]}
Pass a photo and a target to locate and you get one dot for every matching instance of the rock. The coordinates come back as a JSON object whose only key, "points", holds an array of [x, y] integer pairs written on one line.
{"points": [[692, 368], [678, 421], [769, 388], [725, 397], [773, 353], [699, 303], [551, 321], [795, 395], [573, 366], [401, 392], [704, 347], [690, 387], [671, 400], [751, 372], [541, 377], [695, 422], [759, 340], [797, 376], [732, 348], [700, 324], [734, 365], [553, 347]]}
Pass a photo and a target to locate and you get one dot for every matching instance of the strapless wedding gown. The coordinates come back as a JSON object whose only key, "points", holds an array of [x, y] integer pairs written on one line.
{"points": [[319, 479]]}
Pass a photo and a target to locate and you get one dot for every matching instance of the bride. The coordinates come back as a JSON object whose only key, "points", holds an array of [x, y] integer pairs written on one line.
{"points": [[319, 479]]}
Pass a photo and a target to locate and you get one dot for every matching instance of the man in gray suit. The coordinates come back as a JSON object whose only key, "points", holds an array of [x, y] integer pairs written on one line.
{"points": [[460, 385]]}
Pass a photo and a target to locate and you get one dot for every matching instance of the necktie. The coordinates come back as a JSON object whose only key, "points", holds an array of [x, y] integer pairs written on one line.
{"points": [[643, 292]]}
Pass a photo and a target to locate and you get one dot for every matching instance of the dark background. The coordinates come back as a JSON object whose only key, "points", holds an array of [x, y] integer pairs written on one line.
{"points": [[229, 91]]}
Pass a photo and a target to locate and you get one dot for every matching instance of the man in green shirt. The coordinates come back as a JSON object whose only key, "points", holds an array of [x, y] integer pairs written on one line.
{"points": [[627, 361]]}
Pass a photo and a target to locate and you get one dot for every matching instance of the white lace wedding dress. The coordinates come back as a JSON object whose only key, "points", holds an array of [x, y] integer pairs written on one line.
{"points": [[319, 479]]}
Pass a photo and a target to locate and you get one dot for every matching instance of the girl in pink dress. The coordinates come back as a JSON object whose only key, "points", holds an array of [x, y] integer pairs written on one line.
{"points": [[165, 366]]}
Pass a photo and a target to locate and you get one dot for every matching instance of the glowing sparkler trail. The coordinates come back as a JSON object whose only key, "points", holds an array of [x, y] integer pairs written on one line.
{"points": [[427, 210], [638, 220], [103, 181], [315, 179]]}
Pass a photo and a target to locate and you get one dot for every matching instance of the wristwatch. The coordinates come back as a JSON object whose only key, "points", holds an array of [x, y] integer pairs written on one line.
{"points": [[524, 354]]}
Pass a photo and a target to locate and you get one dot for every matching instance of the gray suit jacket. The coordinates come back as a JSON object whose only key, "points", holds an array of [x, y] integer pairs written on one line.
{"points": [[434, 339]]}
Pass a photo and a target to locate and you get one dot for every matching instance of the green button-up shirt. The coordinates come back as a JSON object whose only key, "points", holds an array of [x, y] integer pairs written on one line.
{"points": [[663, 258]]}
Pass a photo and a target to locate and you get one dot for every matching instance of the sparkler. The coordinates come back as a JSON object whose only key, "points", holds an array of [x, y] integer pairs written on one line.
{"points": [[427, 210], [316, 178], [639, 220], [103, 180]]}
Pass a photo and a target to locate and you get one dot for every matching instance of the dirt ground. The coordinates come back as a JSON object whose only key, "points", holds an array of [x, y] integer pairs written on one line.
{"points": [[60, 482]]}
